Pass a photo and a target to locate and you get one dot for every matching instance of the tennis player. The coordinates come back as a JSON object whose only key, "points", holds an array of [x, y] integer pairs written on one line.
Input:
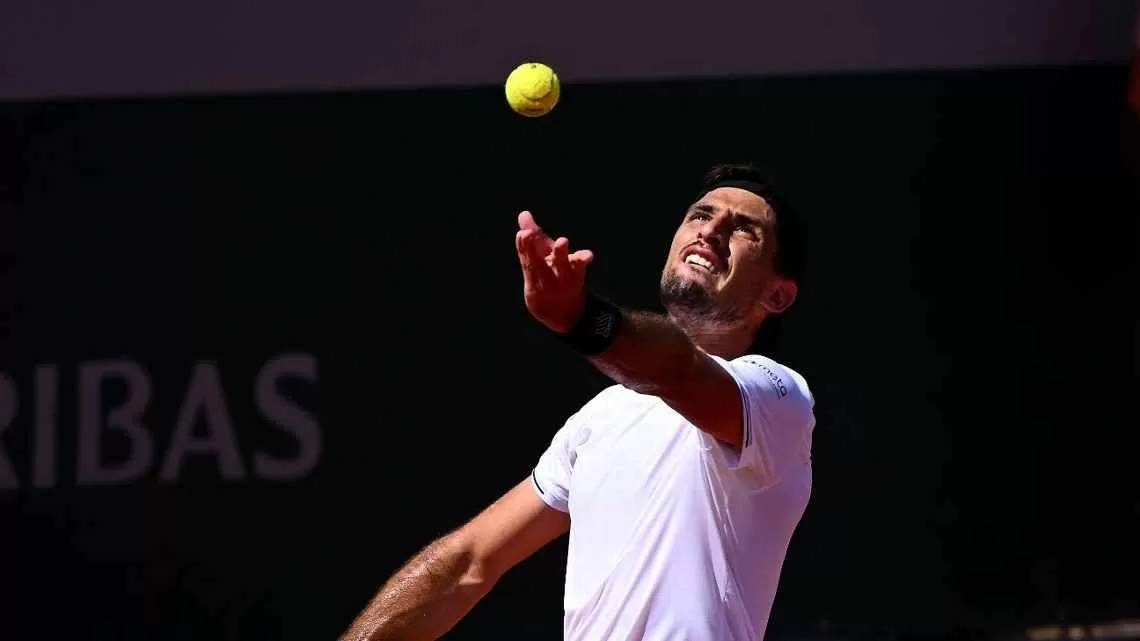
{"points": [[681, 484]]}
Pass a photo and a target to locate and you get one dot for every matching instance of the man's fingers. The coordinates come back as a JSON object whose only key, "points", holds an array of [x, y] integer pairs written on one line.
{"points": [[523, 242], [561, 257], [582, 257], [522, 246], [579, 261], [526, 221], [534, 256], [548, 265]]}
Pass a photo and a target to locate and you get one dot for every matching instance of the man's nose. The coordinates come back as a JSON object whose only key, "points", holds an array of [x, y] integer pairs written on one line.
{"points": [[713, 231]]}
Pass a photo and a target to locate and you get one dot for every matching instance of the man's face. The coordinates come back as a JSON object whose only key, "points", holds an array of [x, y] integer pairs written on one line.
{"points": [[721, 263]]}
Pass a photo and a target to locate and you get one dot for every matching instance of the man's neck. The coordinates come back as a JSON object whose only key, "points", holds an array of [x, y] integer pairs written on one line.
{"points": [[725, 340]]}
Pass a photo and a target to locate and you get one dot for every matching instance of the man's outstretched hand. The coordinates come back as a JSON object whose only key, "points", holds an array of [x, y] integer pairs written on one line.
{"points": [[554, 280]]}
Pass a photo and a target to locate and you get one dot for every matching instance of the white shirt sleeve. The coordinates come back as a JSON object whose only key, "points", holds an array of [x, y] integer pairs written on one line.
{"points": [[778, 418], [551, 476]]}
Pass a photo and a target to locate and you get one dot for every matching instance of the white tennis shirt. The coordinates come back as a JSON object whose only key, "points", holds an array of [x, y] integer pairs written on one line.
{"points": [[673, 536]]}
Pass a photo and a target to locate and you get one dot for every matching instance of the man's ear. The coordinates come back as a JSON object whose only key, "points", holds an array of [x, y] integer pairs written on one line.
{"points": [[781, 297]]}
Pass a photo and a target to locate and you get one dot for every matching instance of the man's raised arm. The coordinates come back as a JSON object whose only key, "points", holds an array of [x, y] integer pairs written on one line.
{"points": [[442, 583], [647, 352], [651, 355]]}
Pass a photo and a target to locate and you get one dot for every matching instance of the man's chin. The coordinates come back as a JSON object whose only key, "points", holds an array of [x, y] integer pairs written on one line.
{"points": [[686, 292]]}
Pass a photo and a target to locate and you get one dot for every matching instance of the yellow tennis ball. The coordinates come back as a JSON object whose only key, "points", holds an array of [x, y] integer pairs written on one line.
{"points": [[533, 89]]}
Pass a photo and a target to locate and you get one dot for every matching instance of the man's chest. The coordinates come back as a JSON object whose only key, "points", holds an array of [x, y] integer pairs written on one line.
{"points": [[634, 457]]}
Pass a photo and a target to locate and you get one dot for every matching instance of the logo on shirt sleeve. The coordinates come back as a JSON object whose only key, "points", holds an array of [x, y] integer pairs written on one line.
{"points": [[773, 377]]}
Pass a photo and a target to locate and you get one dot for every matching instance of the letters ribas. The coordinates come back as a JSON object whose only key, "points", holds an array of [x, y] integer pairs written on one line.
{"points": [[152, 447]]}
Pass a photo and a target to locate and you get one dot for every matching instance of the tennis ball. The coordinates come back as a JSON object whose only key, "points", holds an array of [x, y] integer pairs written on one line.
{"points": [[533, 89]]}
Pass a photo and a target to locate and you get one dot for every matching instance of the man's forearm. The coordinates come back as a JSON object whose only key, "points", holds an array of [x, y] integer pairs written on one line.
{"points": [[650, 354], [425, 598]]}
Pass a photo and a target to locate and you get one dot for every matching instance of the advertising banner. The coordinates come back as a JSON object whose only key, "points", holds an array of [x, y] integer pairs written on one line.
{"points": [[135, 47]]}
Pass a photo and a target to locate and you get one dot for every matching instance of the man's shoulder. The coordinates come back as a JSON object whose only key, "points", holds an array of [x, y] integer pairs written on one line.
{"points": [[760, 360], [614, 404], [783, 379], [610, 397]]}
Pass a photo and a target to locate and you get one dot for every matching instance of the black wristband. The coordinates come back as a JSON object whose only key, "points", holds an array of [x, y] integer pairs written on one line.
{"points": [[598, 327]]}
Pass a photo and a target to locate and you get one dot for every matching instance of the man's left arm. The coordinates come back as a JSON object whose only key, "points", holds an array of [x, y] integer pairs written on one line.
{"points": [[651, 355], [751, 405]]}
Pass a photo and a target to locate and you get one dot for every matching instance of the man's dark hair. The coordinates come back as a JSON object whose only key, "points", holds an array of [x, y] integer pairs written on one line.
{"points": [[791, 253], [790, 256]]}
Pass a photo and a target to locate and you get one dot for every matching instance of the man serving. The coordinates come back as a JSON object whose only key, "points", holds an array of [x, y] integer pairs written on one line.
{"points": [[681, 484]]}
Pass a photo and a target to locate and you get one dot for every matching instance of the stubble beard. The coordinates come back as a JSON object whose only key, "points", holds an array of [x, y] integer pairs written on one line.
{"points": [[694, 304]]}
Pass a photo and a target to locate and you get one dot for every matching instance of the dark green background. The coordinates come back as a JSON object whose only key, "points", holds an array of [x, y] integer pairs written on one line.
{"points": [[969, 329]]}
